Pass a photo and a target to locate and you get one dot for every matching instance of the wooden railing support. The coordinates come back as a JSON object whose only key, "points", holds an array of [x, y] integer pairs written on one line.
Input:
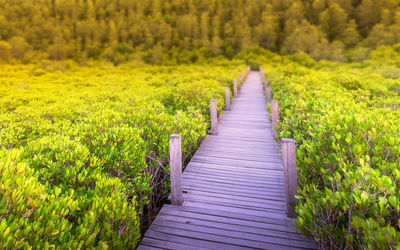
{"points": [[234, 88], [213, 117], [290, 169], [268, 94], [175, 164], [275, 114], [227, 98]]}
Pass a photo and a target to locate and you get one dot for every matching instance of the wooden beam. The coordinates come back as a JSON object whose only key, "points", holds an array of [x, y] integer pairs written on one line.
{"points": [[213, 117], [290, 169], [275, 115], [227, 98], [275, 112], [268, 94], [175, 164], [234, 88]]}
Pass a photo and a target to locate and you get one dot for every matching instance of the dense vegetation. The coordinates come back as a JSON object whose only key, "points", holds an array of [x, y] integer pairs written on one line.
{"points": [[174, 31], [345, 121], [84, 149]]}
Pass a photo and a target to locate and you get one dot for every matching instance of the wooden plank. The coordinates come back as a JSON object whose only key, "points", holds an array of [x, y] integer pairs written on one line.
{"points": [[233, 242], [225, 172], [284, 227], [238, 169], [193, 177], [238, 192], [270, 158], [274, 164], [267, 205], [223, 185], [234, 197], [188, 183], [192, 241], [150, 243], [225, 177], [266, 213], [286, 222], [248, 239]]}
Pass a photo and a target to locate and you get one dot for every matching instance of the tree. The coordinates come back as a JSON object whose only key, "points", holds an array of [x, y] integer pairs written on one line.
{"points": [[395, 28], [379, 35], [19, 47], [305, 37], [204, 28], [368, 13], [333, 21], [351, 37], [5, 51], [267, 31]]}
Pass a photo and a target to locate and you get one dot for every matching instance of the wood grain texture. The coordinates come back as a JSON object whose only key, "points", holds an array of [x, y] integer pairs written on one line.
{"points": [[234, 88], [227, 98], [175, 163], [234, 187], [290, 168], [213, 117]]}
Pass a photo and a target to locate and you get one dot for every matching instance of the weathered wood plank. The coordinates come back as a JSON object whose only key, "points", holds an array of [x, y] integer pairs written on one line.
{"points": [[256, 239], [175, 162], [149, 243]]}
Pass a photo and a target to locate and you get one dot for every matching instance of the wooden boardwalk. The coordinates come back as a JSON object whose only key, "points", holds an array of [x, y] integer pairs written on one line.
{"points": [[233, 188]]}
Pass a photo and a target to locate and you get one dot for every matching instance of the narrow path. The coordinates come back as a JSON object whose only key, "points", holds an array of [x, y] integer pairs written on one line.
{"points": [[234, 193]]}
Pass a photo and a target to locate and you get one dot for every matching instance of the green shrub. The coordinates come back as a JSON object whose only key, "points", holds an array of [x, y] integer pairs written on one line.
{"points": [[346, 130]]}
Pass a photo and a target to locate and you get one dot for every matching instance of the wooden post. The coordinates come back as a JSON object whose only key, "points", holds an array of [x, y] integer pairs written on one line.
{"points": [[275, 115], [275, 112], [227, 98], [265, 83], [290, 169], [175, 164], [213, 117], [234, 88], [268, 94]]}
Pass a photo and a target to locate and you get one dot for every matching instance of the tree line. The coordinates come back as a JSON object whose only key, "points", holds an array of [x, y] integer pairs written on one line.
{"points": [[189, 30]]}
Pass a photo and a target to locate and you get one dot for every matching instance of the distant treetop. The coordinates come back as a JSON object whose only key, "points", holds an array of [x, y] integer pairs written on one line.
{"points": [[189, 30]]}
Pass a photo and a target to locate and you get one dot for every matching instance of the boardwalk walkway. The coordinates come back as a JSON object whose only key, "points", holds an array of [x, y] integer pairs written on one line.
{"points": [[234, 193]]}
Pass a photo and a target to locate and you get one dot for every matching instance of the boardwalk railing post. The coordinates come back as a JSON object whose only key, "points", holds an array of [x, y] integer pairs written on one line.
{"points": [[275, 114], [290, 170], [213, 117], [234, 88], [268, 94], [227, 98], [175, 164]]}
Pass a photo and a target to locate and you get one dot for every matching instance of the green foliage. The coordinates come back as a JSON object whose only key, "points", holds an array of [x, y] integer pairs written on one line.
{"points": [[84, 149], [173, 31], [344, 119]]}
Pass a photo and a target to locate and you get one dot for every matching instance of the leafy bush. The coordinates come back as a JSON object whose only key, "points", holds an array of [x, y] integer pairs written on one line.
{"points": [[346, 129], [84, 149]]}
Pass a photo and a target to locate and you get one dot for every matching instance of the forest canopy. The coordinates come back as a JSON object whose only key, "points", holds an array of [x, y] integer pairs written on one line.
{"points": [[190, 30]]}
